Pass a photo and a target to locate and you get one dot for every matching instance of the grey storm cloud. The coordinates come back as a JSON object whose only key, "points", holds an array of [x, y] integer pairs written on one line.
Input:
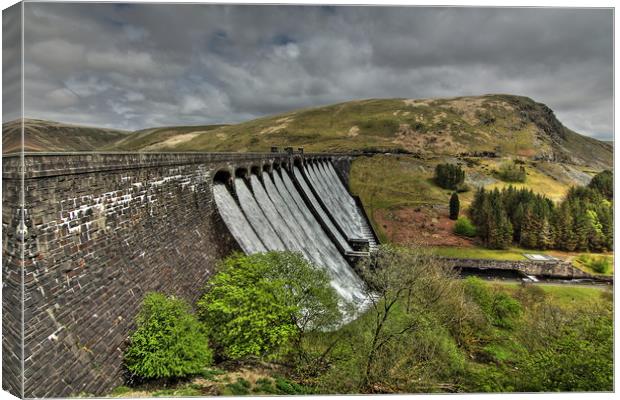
{"points": [[133, 66]]}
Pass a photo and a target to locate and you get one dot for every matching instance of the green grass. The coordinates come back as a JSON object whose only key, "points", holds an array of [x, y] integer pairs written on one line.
{"points": [[513, 254], [537, 181], [392, 182], [119, 391], [585, 263], [384, 182], [432, 127], [560, 294]]}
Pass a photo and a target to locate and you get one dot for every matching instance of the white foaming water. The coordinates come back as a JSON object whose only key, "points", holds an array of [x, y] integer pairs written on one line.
{"points": [[344, 279], [336, 208], [317, 206], [270, 211], [276, 212], [257, 219], [235, 221], [343, 198]]}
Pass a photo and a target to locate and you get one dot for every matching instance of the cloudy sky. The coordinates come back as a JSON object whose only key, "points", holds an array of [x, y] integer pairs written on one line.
{"points": [[143, 65]]}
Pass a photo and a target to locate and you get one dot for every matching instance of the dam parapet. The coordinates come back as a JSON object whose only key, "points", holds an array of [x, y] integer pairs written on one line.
{"points": [[97, 231]]}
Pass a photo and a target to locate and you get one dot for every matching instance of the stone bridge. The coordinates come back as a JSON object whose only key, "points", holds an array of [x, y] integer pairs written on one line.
{"points": [[92, 233], [544, 269]]}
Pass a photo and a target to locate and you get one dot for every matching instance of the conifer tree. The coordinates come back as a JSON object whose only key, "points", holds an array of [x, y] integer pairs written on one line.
{"points": [[517, 220], [454, 206], [545, 235], [529, 228], [581, 228], [564, 227]]}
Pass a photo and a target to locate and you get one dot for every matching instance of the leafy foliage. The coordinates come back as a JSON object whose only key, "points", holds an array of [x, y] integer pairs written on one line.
{"points": [[499, 308], [567, 349], [600, 264], [169, 341], [404, 286], [449, 176], [258, 305], [425, 331], [464, 227]]}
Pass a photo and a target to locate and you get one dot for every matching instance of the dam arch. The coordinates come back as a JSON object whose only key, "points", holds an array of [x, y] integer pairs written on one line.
{"points": [[223, 176], [241, 172]]}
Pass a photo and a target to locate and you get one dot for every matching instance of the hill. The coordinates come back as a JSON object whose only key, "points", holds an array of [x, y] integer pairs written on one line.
{"points": [[503, 125], [42, 135], [159, 139]]}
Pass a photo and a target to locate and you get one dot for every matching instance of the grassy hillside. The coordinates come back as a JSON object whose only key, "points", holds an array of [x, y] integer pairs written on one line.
{"points": [[406, 206], [157, 139], [501, 124], [54, 136]]}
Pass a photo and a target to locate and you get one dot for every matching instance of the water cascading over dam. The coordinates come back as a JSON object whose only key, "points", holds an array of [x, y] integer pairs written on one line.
{"points": [[311, 213]]}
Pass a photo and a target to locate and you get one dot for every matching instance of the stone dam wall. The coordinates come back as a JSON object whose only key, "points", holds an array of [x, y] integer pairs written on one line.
{"points": [[99, 231]]}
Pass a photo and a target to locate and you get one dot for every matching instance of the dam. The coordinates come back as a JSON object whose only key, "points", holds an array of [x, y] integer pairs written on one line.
{"points": [[93, 232]]}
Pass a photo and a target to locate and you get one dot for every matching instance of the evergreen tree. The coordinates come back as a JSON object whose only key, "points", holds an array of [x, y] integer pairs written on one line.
{"points": [[454, 206], [545, 235], [581, 228], [596, 241], [605, 214], [449, 176], [582, 221], [565, 238], [476, 210], [529, 225], [603, 182], [499, 228], [517, 220]]}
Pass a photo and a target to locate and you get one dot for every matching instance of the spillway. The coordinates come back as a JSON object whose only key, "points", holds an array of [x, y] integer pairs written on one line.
{"points": [[256, 217], [302, 211], [235, 221], [323, 215]]}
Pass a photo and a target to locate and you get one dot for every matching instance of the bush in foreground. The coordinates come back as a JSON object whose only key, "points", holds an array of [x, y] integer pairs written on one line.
{"points": [[169, 341], [258, 305]]}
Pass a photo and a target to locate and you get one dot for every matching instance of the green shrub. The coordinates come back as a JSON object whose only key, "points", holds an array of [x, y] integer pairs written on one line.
{"points": [[511, 172], [284, 386], [239, 388], [599, 264], [500, 309], [169, 341], [576, 356], [253, 305], [464, 227]]}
